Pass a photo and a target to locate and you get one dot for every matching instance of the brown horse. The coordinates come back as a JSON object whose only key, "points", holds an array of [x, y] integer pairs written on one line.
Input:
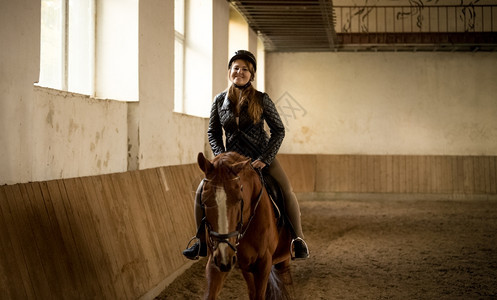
{"points": [[241, 228]]}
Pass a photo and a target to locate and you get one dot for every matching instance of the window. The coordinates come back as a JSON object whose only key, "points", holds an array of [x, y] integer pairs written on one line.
{"points": [[69, 50], [52, 44], [179, 54], [67, 45]]}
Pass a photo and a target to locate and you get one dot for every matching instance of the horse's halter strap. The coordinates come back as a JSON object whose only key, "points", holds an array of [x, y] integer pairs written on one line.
{"points": [[223, 238]]}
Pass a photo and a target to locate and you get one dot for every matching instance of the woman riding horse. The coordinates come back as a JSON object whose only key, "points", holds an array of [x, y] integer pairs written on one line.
{"points": [[241, 111], [243, 229]]}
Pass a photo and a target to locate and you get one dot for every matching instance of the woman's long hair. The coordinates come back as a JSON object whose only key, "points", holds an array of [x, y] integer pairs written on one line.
{"points": [[248, 95]]}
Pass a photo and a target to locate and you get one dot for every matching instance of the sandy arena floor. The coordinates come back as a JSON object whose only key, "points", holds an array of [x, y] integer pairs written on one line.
{"points": [[383, 250]]}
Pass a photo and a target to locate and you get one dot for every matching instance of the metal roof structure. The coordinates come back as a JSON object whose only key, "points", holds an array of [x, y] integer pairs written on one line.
{"points": [[318, 25]]}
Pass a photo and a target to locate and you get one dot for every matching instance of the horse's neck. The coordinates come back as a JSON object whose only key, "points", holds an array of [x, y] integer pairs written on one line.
{"points": [[257, 195]]}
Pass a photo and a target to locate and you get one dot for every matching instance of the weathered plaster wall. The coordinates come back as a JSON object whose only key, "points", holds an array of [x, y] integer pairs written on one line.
{"points": [[47, 134], [386, 103], [19, 68], [75, 135]]}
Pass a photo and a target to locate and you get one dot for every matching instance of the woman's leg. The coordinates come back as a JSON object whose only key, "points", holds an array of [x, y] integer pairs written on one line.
{"points": [[199, 248], [291, 204], [298, 246], [198, 211]]}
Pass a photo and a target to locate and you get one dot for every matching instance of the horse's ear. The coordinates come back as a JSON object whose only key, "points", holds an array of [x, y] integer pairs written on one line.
{"points": [[239, 166], [204, 164]]}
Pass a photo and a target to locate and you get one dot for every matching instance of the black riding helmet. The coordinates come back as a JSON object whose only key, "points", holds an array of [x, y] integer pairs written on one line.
{"points": [[245, 55]]}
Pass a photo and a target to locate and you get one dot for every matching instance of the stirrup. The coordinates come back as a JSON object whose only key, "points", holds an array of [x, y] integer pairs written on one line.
{"points": [[197, 240], [292, 250]]}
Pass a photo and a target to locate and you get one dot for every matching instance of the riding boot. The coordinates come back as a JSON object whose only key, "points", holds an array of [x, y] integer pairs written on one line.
{"points": [[199, 247], [298, 246]]}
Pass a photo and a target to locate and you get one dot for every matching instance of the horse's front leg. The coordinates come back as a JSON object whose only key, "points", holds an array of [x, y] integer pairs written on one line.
{"points": [[249, 279], [215, 280], [261, 277]]}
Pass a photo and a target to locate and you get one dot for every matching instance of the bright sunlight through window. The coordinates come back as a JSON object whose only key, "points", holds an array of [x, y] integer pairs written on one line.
{"points": [[72, 60], [67, 45]]}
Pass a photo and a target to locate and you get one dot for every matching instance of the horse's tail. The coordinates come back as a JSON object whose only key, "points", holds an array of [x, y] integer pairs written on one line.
{"points": [[279, 283]]}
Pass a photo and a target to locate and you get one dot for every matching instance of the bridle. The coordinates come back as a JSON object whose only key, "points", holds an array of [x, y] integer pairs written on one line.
{"points": [[216, 238]]}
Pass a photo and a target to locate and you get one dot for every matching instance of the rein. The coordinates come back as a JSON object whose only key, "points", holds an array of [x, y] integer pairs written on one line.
{"points": [[251, 217], [256, 205]]}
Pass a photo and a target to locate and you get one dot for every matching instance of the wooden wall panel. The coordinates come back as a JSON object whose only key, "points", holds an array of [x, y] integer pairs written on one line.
{"points": [[14, 278], [46, 242], [112, 236], [91, 243], [492, 175], [148, 213], [21, 237], [301, 168], [405, 174]]}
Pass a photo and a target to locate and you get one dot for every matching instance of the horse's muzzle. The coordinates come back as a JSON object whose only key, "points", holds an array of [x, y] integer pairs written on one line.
{"points": [[224, 261]]}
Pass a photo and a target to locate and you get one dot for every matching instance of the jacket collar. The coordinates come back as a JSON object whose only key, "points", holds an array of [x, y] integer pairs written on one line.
{"points": [[226, 103]]}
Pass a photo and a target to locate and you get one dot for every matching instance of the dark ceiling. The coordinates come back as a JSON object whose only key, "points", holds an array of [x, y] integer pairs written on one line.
{"points": [[317, 25], [290, 25]]}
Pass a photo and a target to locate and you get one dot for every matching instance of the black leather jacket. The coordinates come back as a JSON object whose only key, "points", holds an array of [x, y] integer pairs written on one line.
{"points": [[247, 138]]}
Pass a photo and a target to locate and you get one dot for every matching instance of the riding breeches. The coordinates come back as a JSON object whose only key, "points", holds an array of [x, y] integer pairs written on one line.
{"points": [[292, 207]]}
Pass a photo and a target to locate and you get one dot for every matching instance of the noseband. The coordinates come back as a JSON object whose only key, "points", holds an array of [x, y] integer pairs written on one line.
{"points": [[216, 238]]}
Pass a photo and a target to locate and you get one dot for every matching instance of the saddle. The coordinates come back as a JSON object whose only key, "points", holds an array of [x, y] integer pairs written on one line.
{"points": [[276, 195]]}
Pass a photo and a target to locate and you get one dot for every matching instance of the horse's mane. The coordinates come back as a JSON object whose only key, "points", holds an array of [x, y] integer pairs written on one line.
{"points": [[224, 161], [228, 159]]}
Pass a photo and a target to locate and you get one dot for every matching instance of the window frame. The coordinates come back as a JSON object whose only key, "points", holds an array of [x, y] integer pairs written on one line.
{"points": [[61, 72], [93, 50]]}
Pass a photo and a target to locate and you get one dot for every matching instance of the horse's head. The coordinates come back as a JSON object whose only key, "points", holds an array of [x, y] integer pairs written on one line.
{"points": [[222, 198]]}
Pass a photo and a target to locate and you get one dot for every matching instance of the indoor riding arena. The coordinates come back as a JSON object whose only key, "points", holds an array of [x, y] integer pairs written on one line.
{"points": [[389, 108]]}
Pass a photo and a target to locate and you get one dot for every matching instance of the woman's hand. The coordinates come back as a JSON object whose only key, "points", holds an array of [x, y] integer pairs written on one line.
{"points": [[258, 164]]}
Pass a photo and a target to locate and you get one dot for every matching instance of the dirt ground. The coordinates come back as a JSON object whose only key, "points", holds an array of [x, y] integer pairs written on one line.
{"points": [[383, 249]]}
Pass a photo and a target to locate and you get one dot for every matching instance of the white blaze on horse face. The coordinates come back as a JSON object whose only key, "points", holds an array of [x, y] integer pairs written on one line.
{"points": [[222, 219]]}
